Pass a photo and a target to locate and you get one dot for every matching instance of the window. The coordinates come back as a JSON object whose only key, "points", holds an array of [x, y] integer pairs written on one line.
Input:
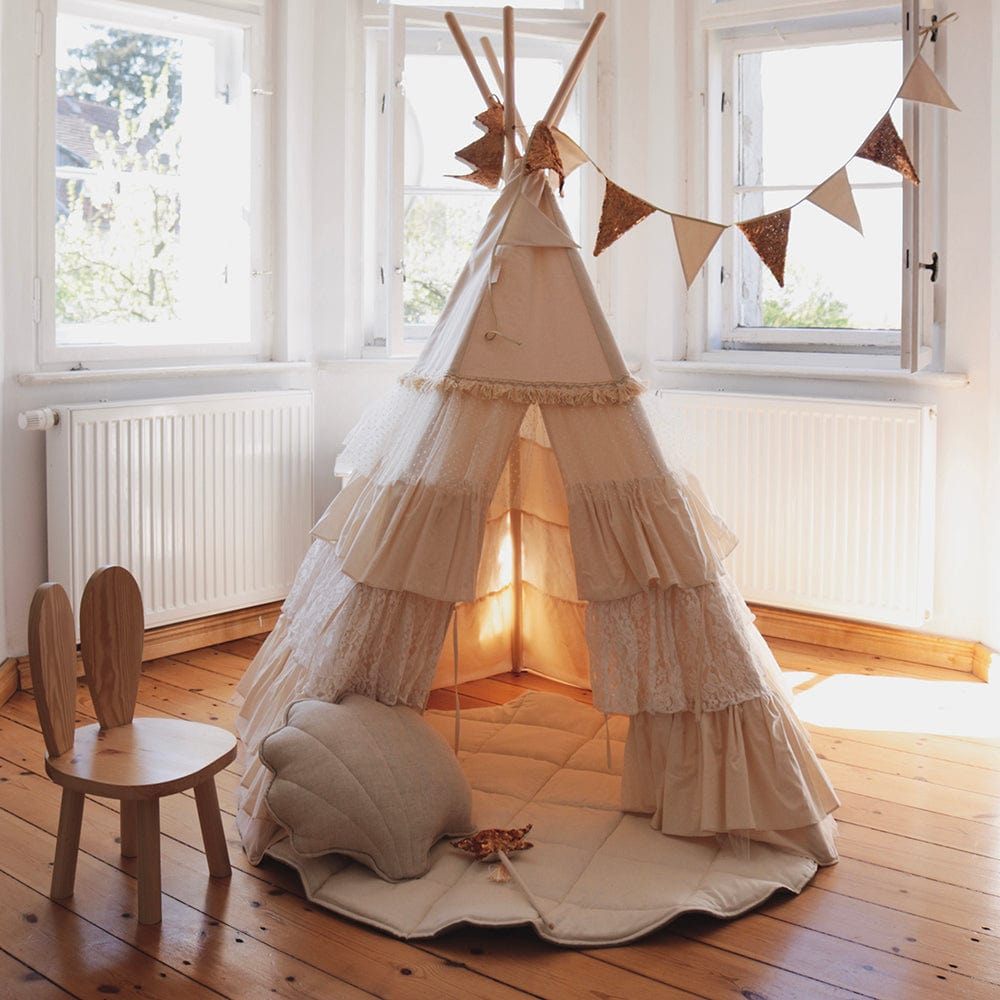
{"points": [[421, 222], [153, 245], [788, 102]]}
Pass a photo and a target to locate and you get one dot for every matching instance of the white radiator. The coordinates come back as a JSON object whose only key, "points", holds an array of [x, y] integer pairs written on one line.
{"points": [[207, 500], [833, 501]]}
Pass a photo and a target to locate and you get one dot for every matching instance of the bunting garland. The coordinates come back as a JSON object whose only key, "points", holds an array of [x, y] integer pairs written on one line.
{"points": [[553, 150]]}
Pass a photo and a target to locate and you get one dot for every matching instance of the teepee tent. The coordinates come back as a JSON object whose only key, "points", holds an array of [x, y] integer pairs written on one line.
{"points": [[510, 508]]}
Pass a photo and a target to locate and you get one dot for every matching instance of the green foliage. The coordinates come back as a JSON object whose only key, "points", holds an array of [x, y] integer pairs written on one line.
{"points": [[438, 235], [812, 306], [117, 247], [119, 68]]}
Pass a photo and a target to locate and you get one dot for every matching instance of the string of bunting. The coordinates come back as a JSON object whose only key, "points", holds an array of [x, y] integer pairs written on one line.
{"points": [[551, 149]]}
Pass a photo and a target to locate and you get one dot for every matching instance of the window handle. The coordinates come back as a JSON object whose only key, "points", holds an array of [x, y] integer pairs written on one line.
{"points": [[932, 266]]}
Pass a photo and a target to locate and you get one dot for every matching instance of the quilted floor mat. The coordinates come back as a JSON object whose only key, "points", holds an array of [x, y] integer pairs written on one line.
{"points": [[598, 875]]}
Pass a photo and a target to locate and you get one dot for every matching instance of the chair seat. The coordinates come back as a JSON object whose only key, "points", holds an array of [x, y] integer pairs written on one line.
{"points": [[147, 758]]}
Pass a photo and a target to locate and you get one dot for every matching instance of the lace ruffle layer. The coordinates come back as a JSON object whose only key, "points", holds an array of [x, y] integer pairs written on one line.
{"points": [[678, 650]]}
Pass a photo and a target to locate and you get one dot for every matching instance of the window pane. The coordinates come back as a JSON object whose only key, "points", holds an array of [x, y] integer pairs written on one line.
{"points": [[152, 185], [438, 235], [528, 4], [802, 112], [834, 276]]}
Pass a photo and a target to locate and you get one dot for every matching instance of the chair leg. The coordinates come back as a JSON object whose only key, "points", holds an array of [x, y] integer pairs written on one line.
{"points": [[67, 844], [210, 818], [127, 825], [148, 830]]}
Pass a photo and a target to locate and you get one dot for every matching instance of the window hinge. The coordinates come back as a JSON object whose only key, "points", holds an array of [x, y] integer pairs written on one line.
{"points": [[381, 109], [38, 32], [381, 275], [259, 91], [36, 299], [723, 102]]}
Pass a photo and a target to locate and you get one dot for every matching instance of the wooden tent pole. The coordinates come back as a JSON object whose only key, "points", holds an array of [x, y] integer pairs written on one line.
{"points": [[494, 64], [517, 569], [469, 57], [561, 97], [509, 146]]}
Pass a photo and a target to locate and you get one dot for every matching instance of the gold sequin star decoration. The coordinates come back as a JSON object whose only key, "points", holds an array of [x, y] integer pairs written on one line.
{"points": [[487, 844], [485, 155]]}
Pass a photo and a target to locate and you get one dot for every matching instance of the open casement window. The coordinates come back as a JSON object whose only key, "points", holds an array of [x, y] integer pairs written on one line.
{"points": [[791, 101], [420, 222], [151, 144]]}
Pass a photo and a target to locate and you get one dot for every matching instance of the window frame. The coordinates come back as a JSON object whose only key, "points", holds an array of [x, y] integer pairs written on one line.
{"points": [[722, 28], [251, 18], [386, 29]]}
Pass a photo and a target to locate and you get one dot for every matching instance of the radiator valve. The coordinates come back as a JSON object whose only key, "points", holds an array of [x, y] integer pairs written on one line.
{"points": [[38, 420]]}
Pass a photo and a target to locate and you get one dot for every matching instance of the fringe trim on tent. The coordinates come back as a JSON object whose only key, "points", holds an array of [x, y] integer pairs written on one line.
{"points": [[559, 393]]}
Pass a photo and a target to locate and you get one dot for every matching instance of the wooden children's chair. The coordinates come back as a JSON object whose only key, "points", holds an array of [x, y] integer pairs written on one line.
{"points": [[136, 761]]}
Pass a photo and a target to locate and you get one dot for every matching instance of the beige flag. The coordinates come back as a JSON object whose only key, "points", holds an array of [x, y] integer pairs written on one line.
{"points": [[619, 213], [695, 240], [921, 84], [835, 196], [884, 146], [768, 235], [570, 153]]}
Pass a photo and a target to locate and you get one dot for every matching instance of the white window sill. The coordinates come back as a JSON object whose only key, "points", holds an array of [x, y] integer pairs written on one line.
{"points": [[167, 371], [825, 372]]}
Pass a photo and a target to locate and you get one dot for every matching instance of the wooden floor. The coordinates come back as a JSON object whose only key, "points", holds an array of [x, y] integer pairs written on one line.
{"points": [[912, 910]]}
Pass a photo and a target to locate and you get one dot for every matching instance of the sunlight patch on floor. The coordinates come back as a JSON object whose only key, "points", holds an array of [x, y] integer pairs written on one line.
{"points": [[898, 704]]}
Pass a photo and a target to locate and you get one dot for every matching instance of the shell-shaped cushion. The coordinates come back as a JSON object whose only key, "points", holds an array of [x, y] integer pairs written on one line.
{"points": [[370, 781]]}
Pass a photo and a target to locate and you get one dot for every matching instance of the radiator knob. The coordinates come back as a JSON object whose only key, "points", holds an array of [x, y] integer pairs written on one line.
{"points": [[38, 420]]}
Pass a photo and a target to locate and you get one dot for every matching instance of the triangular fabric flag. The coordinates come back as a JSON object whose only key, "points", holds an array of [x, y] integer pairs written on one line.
{"points": [[921, 84], [619, 213], [835, 196], [543, 153], [485, 154], [768, 235], [884, 146], [570, 153], [695, 240], [528, 226]]}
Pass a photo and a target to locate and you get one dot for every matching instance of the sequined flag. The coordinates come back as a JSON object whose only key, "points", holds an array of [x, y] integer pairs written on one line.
{"points": [[543, 153], [835, 196], [485, 154], [768, 235], [884, 146], [695, 240], [921, 84], [619, 213]]}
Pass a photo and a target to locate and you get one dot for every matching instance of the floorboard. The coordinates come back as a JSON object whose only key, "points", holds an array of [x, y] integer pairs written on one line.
{"points": [[911, 911]]}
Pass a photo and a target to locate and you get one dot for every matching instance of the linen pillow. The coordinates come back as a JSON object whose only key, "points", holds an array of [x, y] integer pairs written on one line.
{"points": [[370, 781]]}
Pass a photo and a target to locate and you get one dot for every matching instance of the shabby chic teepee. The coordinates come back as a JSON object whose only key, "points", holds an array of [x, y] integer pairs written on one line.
{"points": [[510, 508]]}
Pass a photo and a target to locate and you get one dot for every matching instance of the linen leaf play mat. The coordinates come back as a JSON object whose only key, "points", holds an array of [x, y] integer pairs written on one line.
{"points": [[599, 876]]}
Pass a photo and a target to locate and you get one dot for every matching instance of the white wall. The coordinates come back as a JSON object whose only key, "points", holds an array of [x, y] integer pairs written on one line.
{"points": [[318, 108]]}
